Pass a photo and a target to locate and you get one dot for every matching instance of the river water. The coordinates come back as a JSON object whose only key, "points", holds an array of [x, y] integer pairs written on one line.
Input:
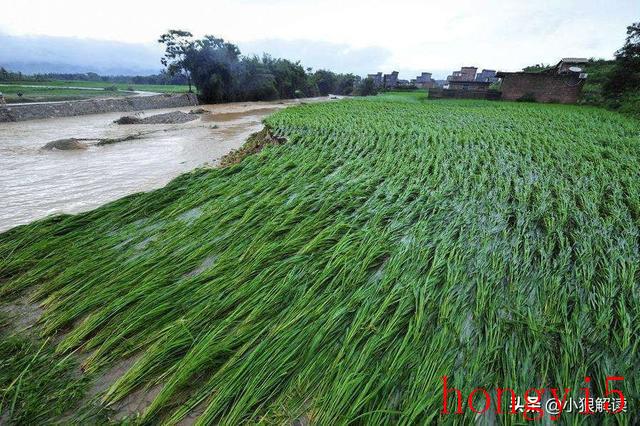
{"points": [[35, 183]]}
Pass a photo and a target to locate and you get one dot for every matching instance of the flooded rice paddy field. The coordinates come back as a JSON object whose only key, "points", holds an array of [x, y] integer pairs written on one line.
{"points": [[35, 183]]}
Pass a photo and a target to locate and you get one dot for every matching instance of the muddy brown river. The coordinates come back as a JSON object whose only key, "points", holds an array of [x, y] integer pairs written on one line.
{"points": [[35, 183]]}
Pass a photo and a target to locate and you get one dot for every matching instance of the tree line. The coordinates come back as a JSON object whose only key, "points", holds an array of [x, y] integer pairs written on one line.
{"points": [[161, 78], [621, 88], [222, 74]]}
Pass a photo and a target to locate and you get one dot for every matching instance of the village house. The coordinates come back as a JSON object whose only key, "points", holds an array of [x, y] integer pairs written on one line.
{"points": [[562, 83], [424, 81], [377, 79], [465, 74], [387, 81], [466, 79], [465, 83], [487, 75], [390, 80]]}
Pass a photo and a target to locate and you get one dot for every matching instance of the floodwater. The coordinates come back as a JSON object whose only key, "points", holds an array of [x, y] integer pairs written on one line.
{"points": [[35, 183]]}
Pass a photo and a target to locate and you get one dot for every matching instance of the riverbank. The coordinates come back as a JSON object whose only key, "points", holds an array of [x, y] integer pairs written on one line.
{"points": [[71, 90], [42, 110]]}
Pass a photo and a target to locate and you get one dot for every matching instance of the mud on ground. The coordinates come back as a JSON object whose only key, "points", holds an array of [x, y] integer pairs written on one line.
{"points": [[174, 117]]}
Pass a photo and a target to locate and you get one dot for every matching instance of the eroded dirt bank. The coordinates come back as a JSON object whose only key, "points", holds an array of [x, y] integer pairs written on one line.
{"points": [[35, 182]]}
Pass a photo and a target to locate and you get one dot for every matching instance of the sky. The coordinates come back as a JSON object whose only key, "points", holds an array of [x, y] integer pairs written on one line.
{"points": [[341, 35]]}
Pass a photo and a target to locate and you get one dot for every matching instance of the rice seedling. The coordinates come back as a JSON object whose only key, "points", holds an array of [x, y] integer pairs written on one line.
{"points": [[335, 278]]}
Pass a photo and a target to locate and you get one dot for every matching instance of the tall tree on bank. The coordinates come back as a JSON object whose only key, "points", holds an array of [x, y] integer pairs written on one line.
{"points": [[221, 74], [178, 48], [214, 66]]}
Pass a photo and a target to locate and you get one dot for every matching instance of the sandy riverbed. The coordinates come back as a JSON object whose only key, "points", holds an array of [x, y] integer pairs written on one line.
{"points": [[35, 183]]}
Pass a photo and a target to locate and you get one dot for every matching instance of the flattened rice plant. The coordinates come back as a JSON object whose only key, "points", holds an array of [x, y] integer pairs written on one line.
{"points": [[340, 275]]}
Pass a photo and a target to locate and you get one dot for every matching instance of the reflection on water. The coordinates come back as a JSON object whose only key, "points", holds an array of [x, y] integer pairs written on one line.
{"points": [[35, 183]]}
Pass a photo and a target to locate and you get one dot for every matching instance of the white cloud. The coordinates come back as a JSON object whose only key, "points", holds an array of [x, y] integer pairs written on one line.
{"points": [[418, 35], [338, 57]]}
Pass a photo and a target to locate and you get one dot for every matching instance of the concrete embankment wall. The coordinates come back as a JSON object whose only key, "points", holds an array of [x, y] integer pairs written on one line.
{"points": [[94, 106]]}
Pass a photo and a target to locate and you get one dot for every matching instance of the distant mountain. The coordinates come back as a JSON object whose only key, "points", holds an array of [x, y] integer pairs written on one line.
{"points": [[40, 54], [43, 54]]}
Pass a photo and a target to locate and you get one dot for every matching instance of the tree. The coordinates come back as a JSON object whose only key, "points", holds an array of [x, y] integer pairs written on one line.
{"points": [[537, 68], [214, 65], [221, 74], [215, 68], [326, 81], [253, 81], [625, 75], [631, 48], [179, 47], [290, 77], [347, 84], [367, 87]]}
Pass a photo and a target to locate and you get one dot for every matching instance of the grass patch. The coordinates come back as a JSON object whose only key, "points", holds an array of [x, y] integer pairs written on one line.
{"points": [[416, 96], [36, 385], [51, 94], [51, 91], [337, 277], [160, 88]]}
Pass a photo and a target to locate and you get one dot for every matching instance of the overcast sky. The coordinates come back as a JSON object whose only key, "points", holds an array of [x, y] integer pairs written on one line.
{"points": [[344, 35]]}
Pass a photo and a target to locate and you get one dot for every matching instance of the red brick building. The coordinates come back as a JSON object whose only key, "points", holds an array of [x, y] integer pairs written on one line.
{"points": [[465, 74], [562, 83]]}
